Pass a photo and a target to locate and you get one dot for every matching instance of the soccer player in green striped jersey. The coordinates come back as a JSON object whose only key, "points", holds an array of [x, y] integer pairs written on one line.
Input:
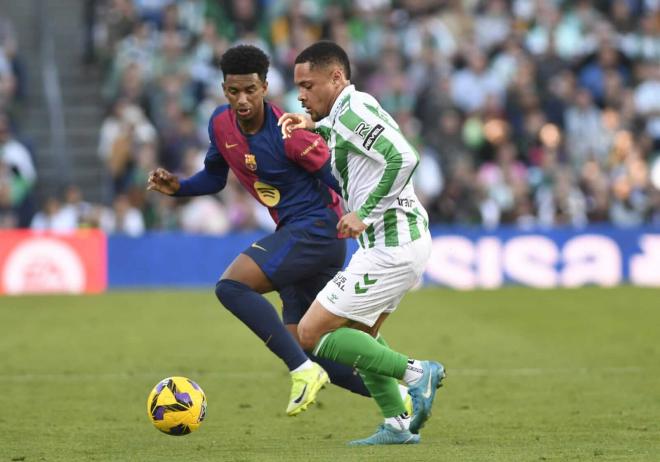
{"points": [[373, 163]]}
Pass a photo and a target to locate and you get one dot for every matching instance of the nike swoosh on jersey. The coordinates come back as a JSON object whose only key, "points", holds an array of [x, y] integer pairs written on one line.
{"points": [[299, 398], [257, 246], [229, 146]]}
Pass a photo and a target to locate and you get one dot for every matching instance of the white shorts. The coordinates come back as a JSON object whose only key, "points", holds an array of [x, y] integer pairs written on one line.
{"points": [[375, 280]]}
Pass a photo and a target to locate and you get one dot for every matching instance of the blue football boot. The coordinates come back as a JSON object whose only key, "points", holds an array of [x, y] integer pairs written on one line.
{"points": [[387, 434], [422, 393]]}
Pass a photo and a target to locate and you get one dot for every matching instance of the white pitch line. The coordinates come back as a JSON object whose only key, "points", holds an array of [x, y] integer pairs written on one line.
{"points": [[533, 371], [96, 376], [465, 372]]}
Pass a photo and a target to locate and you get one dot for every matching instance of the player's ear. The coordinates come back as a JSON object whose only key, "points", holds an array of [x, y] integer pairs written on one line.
{"points": [[224, 89], [336, 75]]}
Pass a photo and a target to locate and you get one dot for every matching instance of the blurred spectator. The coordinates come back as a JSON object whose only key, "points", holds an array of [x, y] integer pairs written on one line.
{"points": [[492, 25], [178, 134], [560, 201], [503, 180], [17, 175], [122, 219], [152, 10], [205, 61], [584, 130], [123, 132], [237, 19], [119, 20], [12, 74], [54, 217], [77, 207], [647, 100], [607, 62], [641, 42], [7, 79], [459, 200], [630, 182], [428, 177], [204, 215], [471, 86]]}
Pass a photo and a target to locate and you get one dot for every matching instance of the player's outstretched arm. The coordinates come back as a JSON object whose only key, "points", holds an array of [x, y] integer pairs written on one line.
{"points": [[163, 181], [289, 122]]}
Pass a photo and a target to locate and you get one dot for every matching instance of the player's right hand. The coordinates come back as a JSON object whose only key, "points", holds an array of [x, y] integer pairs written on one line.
{"points": [[162, 181], [290, 122]]}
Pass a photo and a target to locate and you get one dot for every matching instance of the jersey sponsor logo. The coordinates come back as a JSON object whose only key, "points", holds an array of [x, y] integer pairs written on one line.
{"points": [[251, 162], [229, 146], [340, 281], [269, 195], [309, 148], [372, 136], [362, 129], [409, 203], [333, 298]]}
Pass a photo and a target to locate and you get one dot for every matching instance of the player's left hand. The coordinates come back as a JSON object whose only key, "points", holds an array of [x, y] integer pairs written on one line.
{"points": [[289, 122], [351, 225], [163, 181]]}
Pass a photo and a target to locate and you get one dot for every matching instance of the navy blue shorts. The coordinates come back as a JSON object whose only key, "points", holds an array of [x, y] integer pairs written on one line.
{"points": [[299, 263]]}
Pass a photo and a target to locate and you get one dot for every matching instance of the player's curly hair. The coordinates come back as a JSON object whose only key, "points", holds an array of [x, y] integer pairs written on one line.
{"points": [[323, 53], [244, 59]]}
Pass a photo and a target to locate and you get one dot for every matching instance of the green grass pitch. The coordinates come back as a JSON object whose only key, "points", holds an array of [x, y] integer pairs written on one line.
{"points": [[554, 375]]}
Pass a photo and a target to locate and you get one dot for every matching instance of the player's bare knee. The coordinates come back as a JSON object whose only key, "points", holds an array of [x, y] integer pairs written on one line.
{"points": [[371, 330], [246, 271], [307, 336]]}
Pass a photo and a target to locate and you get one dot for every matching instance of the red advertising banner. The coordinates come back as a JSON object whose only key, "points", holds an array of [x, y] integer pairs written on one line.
{"points": [[38, 262]]}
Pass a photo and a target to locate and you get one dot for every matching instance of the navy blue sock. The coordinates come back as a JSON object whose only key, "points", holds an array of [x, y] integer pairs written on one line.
{"points": [[260, 316], [342, 375]]}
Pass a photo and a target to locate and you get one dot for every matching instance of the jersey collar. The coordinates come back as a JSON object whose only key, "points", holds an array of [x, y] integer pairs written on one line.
{"points": [[339, 103]]}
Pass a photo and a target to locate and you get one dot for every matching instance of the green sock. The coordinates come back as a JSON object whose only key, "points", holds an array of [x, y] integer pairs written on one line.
{"points": [[361, 351], [384, 390]]}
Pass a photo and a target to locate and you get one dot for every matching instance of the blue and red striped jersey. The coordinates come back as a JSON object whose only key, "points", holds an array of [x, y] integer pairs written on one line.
{"points": [[291, 177]]}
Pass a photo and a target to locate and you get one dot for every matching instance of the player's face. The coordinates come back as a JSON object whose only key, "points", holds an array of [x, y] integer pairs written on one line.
{"points": [[317, 88], [245, 93]]}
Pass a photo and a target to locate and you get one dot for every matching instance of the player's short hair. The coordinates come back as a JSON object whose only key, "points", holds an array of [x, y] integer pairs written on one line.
{"points": [[244, 59], [323, 53]]}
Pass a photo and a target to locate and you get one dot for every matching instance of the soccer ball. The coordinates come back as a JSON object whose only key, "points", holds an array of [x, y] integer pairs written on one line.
{"points": [[176, 406]]}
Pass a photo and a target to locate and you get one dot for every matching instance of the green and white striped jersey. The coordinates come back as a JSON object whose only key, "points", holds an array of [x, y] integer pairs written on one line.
{"points": [[374, 163]]}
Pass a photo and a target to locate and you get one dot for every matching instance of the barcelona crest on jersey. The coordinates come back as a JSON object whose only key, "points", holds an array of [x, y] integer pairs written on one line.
{"points": [[251, 162]]}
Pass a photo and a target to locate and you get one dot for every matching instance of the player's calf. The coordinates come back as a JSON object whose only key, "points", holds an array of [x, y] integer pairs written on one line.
{"points": [[317, 322]]}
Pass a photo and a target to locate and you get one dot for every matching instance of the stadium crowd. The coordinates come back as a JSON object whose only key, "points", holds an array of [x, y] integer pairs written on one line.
{"points": [[524, 112]]}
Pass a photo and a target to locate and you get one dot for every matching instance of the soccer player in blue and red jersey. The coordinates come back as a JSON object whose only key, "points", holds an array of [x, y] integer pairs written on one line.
{"points": [[292, 178]]}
